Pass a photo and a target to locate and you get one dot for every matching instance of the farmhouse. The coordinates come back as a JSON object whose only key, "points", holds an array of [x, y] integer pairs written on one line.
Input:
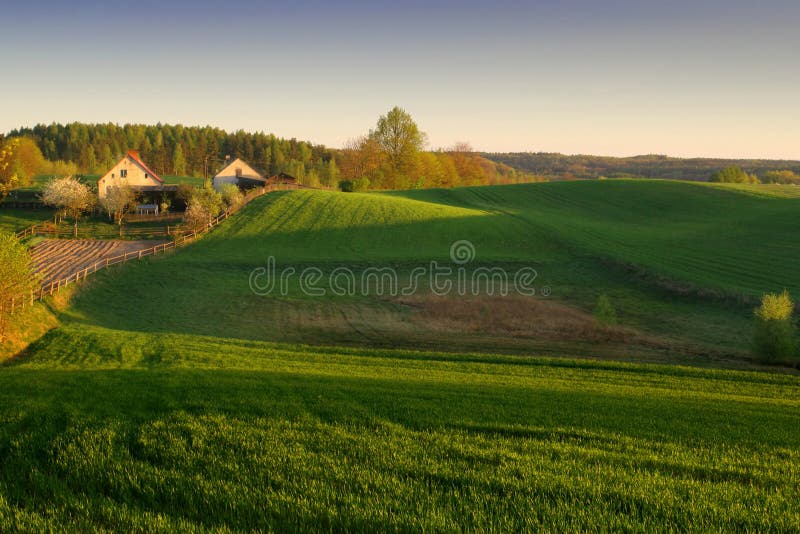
{"points": [[238, 172], [130, 171]]}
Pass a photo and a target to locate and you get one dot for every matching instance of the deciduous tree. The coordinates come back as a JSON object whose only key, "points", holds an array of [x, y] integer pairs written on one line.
{"points": [[118, 201], [70, 196], [400, 139], [17, 278], [734, 175]]}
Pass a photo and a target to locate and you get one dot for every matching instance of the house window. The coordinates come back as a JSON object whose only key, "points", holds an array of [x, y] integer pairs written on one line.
{"points": [[123, 173], [146, 175], [238, 172]]}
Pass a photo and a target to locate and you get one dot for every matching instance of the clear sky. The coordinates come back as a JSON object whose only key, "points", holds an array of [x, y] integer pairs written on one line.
{"points": [[611, 77]]}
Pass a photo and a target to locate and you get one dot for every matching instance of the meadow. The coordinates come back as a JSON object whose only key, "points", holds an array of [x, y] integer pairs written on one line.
{"points": [[168, 396], [683, 263], [104, 429]]}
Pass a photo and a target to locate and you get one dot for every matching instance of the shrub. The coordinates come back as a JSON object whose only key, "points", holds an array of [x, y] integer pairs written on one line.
{"points": [[183, 196], [196, 216], [16, 275], [604, 311], [231, 196], [346, 186], [210, 200], [774, 337]]}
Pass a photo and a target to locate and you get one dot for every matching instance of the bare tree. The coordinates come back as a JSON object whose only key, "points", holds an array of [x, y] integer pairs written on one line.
{"points": [[70, 196]]}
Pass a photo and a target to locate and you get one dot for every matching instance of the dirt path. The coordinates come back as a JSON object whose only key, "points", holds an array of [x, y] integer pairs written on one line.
{"points": [[58, 258]]}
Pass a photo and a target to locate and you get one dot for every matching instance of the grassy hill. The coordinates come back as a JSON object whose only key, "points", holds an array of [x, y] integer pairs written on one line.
{"points": [[171, 397], [682, 262]]}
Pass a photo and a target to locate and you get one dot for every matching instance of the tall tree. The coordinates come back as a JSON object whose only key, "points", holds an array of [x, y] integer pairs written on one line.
{"points": [[178, 161], [400, 139]]}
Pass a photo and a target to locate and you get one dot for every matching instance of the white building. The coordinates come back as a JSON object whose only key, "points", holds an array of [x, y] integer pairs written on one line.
{"points": [[238, 172], [130, 171]]}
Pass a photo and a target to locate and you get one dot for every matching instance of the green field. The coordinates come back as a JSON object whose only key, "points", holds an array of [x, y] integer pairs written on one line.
{"points": [[14, 220], [170, 397]]}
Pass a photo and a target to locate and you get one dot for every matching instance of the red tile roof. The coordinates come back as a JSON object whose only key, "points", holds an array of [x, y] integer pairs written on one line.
{"points": [[134, 155]]}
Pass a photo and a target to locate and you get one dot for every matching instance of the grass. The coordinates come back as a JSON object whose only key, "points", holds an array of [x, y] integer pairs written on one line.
{"points": [[14, 220], [173, 398], [112, 430], [684, 276]]}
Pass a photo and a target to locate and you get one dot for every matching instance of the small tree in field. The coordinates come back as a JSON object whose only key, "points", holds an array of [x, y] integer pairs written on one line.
{"points": [[775, 332], [118, 201], [70, 196], [16, 275]]}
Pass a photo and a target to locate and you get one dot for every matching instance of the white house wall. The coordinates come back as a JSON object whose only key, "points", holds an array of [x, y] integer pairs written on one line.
{"points": [[136, 176]]}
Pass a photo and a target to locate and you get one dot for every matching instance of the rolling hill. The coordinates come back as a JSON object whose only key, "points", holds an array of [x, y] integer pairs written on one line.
{"points": [[171, 397]]}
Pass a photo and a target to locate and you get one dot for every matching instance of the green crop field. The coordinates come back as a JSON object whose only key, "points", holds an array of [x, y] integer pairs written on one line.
{"points": [[169, 396]]}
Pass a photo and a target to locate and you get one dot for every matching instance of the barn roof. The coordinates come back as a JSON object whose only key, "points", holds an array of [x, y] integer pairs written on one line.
{"points": [[241, 162]]}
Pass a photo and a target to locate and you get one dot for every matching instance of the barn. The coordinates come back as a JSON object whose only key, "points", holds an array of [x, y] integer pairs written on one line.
{"points": [[238, 172], [282, 179]]}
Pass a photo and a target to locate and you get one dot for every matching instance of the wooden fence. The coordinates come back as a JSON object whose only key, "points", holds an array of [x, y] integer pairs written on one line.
{"points": [[180, 240]]}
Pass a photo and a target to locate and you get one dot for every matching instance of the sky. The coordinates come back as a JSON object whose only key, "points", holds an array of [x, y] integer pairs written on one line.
{"points": [[716, 78]]}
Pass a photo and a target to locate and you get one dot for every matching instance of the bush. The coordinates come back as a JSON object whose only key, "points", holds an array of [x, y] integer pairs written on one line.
{"points": [[774, 337], [346, 186], [196, 216], [231, 196], [183, 196], [210, 200], [604, 311]]}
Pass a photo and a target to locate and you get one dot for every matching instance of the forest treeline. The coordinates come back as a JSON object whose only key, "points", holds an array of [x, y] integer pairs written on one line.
{"points": [[370, 162], [560, 166]]}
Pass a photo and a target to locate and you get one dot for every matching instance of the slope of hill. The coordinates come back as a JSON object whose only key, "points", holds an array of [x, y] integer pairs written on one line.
{"points": [[682, 262], [165, 400]]}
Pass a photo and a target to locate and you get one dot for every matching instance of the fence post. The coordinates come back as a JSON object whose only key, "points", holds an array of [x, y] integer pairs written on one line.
{"points": [[140, 254]]}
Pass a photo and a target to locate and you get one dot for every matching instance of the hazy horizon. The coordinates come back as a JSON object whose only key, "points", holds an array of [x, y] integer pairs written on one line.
{"points": [[689, 79]]}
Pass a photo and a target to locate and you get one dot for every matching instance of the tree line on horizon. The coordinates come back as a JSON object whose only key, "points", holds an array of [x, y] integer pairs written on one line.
{"points": [[579, 167], [369, 162]]}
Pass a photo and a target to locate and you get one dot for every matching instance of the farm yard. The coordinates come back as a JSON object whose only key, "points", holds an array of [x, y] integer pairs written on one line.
{"points": [[375, 411]]}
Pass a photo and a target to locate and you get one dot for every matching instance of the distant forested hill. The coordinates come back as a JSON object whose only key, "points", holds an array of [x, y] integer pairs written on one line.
{"points": [[197, 151], [650, 166], [173, 149]]}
